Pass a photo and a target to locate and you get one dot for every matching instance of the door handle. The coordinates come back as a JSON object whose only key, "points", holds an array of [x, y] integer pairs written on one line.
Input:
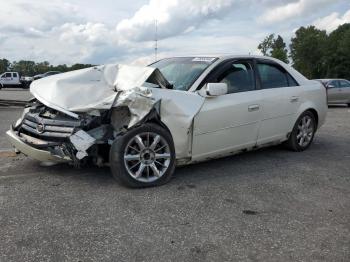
{"points": [[294, 99], [253, 108]]}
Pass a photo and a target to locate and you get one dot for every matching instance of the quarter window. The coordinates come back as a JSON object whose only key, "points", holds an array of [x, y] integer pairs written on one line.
{"points": [[291, 81], [239, 77]]}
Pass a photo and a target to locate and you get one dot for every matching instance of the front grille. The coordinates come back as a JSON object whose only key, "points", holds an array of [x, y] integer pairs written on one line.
{"points": [[51, 129]]}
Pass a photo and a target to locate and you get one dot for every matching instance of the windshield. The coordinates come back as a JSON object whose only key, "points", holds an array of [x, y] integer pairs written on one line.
{"points": [[183, 72]]}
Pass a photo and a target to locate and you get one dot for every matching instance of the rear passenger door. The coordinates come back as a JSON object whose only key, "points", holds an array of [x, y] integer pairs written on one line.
{"points": [[14, 79], [344, 87], [280, 101], [333, 91]]}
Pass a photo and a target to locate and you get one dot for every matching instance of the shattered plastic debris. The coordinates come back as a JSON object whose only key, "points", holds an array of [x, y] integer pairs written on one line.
{"points": [[82, 141]]}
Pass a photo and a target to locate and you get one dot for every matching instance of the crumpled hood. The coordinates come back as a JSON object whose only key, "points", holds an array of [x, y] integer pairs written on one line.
{"points": [[91, 88], [137, 88]]}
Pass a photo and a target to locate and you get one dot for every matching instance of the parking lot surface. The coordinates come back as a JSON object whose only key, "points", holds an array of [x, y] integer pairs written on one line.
{"points": [[15, 94], [267, 205]]}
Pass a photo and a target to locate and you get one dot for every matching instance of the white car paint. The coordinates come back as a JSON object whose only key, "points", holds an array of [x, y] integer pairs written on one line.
{"points": [[202, 126], [225, 123], [10, 79]]}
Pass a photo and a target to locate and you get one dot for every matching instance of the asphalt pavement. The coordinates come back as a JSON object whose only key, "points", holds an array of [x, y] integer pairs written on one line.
{"points": [[15, 94], [267, 205]]}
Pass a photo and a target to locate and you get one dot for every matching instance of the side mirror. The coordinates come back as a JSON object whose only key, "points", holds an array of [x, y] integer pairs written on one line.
{"points": [[330, 86], [216, 89]]}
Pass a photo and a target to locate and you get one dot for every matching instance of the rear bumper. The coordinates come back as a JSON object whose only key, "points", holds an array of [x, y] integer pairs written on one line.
{"points": [[40, 155]]}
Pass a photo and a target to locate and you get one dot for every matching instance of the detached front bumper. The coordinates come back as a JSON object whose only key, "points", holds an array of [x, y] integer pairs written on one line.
{"points": [[40, 155]]}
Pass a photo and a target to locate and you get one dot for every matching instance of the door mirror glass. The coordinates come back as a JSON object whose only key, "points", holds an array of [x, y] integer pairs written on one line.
{"points": [[216, 89]]}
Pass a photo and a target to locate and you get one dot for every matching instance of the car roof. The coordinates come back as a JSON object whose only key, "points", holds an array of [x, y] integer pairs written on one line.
{"points": [[226, 56], [222, 57], [329, 79]]}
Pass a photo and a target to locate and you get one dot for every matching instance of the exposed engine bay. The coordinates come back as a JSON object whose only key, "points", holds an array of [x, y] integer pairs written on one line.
{"points": [[72, 139]]}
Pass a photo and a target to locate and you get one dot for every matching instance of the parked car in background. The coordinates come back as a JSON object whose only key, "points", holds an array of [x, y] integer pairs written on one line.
{"points": [[12, 79], [338, 90], [144, 121], [49, 73]]}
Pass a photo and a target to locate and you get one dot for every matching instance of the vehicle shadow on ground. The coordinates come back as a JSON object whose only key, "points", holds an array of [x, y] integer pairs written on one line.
{"points": [[255, 163]]}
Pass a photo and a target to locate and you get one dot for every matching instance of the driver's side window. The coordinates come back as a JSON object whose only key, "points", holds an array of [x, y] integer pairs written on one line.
{"points": [[239, 77]]}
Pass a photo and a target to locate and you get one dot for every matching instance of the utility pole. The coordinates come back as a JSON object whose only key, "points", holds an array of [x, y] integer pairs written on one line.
{"points": [[156, 41]]}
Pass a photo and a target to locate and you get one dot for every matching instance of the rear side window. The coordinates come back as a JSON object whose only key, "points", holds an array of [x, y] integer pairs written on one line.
{"points": [[344, 83], [14, 74], [239, 77], [333, 84], [273, 76]]}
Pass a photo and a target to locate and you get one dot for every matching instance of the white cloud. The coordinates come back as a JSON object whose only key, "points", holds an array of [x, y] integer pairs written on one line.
{"points": [[332, 21], [77, 31], [20, 16], [96, 33], [174, 17], [205, 45], [293, 9]]}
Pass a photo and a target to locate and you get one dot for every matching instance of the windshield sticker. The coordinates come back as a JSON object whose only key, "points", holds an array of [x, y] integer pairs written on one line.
{"points": [[204, 59]]}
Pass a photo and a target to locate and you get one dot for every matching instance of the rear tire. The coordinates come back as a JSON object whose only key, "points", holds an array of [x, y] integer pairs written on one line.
{"points": [[303, 133], [143, 157]]}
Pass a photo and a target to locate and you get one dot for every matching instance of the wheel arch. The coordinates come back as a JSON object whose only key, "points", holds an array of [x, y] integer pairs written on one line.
{"points": [[154, 117], [120, 116], [311, 107], [314, 112]]}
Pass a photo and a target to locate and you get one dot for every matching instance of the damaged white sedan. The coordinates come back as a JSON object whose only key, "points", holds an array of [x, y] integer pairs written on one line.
{"points": [[144, 121]]}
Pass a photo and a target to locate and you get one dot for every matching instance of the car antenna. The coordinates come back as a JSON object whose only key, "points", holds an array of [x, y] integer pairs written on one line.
{"points": [[156, 40]]}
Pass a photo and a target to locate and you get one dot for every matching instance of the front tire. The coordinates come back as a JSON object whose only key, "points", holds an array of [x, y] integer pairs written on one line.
{"points": [[303, 133], [143, 157]]}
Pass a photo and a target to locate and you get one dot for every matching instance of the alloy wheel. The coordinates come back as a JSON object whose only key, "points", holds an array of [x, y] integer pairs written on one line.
{"points": [[305, 131], [147, 157]]}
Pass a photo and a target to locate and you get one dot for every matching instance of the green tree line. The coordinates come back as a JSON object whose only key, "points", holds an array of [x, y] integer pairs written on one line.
{"points": [[31, 68], [313, 52]]}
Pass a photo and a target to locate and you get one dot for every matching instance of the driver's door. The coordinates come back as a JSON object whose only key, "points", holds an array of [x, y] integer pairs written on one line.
{"points": [[229, 122], [6, 79]]}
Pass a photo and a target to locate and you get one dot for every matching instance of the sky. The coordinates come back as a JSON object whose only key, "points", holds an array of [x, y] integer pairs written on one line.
{"points": [[120, 31]]}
